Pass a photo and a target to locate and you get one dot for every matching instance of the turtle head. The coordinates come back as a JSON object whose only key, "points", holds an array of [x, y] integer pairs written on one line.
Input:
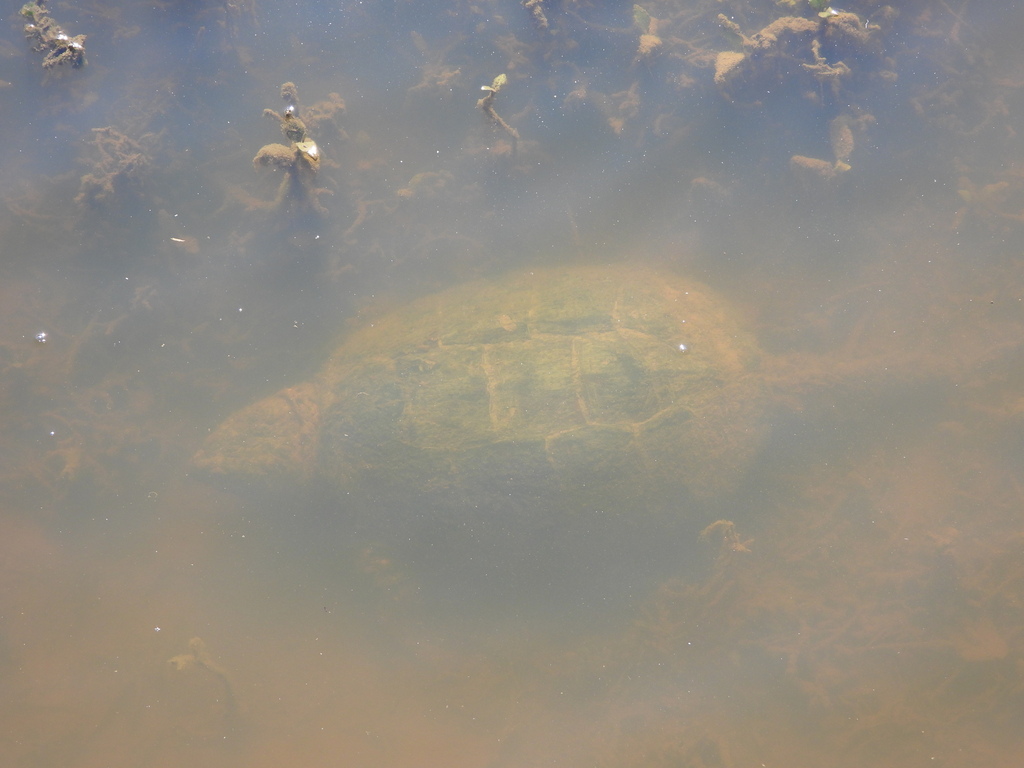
{"points": [[274, 437]]}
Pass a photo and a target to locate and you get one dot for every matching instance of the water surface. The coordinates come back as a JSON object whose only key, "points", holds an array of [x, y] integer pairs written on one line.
{"points": [[852, 188]]}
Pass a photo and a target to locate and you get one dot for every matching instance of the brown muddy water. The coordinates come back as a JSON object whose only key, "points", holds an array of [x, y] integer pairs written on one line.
{"points": [[848, 184]]}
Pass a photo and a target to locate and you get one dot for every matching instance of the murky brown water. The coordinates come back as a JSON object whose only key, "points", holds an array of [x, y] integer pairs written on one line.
{"points": [[852, 184]]}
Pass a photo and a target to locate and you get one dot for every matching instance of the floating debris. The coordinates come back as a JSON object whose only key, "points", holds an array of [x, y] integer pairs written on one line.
{"points": [[47, 36]]}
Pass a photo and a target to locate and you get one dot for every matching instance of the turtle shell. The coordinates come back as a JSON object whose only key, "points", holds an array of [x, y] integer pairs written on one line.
{"points": [[589, 382]]}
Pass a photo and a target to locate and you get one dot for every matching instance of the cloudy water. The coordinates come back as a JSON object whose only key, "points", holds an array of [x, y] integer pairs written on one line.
{"points": [[511, 383]]}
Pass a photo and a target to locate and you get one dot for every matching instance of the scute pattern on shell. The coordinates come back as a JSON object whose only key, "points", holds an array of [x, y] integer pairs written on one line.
{"points": [[557, 378]]}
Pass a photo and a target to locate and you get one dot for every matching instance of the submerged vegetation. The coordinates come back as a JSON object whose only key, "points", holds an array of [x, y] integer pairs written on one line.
{"points": [[299, 161], [48, 37]]}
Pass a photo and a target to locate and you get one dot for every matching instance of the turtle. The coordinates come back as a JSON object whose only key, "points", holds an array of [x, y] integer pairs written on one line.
{"points": [[536, 403]]}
